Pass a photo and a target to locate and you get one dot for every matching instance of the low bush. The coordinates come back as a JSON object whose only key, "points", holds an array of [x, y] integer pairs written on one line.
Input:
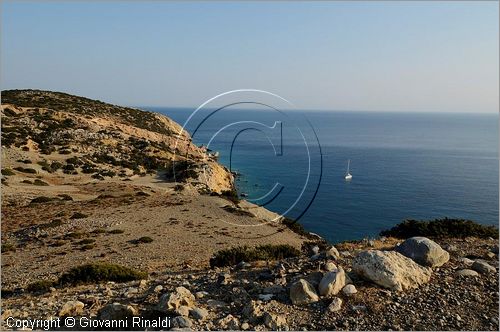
{"points": [[41, 199], [40, 286], [78, 215], [116, 231], [25, 170], [52, 224], [6, 247], [233, 256], [231, 195], [144, 239], [445, 227], [7, 172], [98, 272], [86, 241], [39, 182]]}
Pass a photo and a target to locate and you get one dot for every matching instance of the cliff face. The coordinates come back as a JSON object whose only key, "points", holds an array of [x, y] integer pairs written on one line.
{"points": [[75, 135]]}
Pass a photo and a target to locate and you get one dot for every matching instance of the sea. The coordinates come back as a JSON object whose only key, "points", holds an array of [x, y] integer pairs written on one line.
{"points": [[404, 165]]}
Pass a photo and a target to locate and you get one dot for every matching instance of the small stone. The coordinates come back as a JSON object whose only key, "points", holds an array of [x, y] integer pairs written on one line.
{"points": [[143, 283], [181, 322], [229, 322], [302, 292], [349, 290], [224, 279], [199, 313], [482, 267], [200, 295], [335, 305], [245, 326], [330, 266], [182, 311], [332, 253], [274, 322], [467, 273], [158, 288], [116, 311], [332, 282], [315, 250], [265, 297], [466, 261], [173, 300], [72, 308]]}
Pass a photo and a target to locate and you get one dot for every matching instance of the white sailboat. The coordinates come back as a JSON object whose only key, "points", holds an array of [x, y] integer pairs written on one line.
{"points": [[348, 175]]}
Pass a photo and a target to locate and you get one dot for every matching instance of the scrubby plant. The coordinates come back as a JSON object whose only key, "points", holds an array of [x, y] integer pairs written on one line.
{"points": [[116, 231], [144, 239], [6, 247], [445, 227], [52, 224], [25, 170], [41, 199], [231, 195], [233, 256], [86, 241], [98, 272], [78, 215], [65, 197], [40, 286], [39, 182], [7, 172]]}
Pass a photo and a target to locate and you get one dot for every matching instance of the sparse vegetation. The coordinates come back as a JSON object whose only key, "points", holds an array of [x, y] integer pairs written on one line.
{"points": [[144, 239], [40, 286], [116, 231], [25, 170], [98, 272], [78, 215], [41, 199], [65, 197], [233, 256], [6, 247], [7, 172], [445, 227], [39, 182], [231, 195], [52, 224]]}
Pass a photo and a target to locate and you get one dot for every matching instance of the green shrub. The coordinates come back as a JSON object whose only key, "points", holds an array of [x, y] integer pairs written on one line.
{"points": [[52, 224], [98, 272], [39, 182], [7, 172], [231, 195], [98, 231], [446, 227], [78, 215], [58, 243], [40, 286], [86, 241], [144, 239], [41, 199], [25, 170], [297, 228], [237, 211], [27, 181], [233, 256], [116, 231], [74, 235], [6, 247], [87, 246]]}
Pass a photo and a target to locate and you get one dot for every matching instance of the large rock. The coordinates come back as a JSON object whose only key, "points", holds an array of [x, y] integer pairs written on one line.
{"points": [[302, 292], [332, 253], [116, 311], [174, 300], [482, 267], [332, 282], [423, 251], [390, 269]]}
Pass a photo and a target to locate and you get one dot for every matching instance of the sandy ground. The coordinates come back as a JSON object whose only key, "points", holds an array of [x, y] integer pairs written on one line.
{"points": [[186, 228]]}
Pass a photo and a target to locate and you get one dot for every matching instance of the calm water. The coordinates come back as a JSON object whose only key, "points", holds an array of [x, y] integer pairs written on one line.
{"points": [[417, 166]]}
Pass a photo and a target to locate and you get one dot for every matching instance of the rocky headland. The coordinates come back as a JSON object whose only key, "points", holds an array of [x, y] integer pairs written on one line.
{"points": [[97, 223]]}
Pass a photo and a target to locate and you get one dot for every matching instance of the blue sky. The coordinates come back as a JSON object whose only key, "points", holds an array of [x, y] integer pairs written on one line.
{"points": [[391, 56]]}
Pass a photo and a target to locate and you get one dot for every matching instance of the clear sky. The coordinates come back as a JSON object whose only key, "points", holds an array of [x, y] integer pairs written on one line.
{"points": [[393, 56]]}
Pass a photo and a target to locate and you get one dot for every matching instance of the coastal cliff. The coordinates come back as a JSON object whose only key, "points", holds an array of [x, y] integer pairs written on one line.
{"points": [[97, 223]]}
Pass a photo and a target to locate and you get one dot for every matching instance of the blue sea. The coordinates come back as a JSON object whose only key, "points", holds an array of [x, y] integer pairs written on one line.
{"points": [[404, 165]]}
